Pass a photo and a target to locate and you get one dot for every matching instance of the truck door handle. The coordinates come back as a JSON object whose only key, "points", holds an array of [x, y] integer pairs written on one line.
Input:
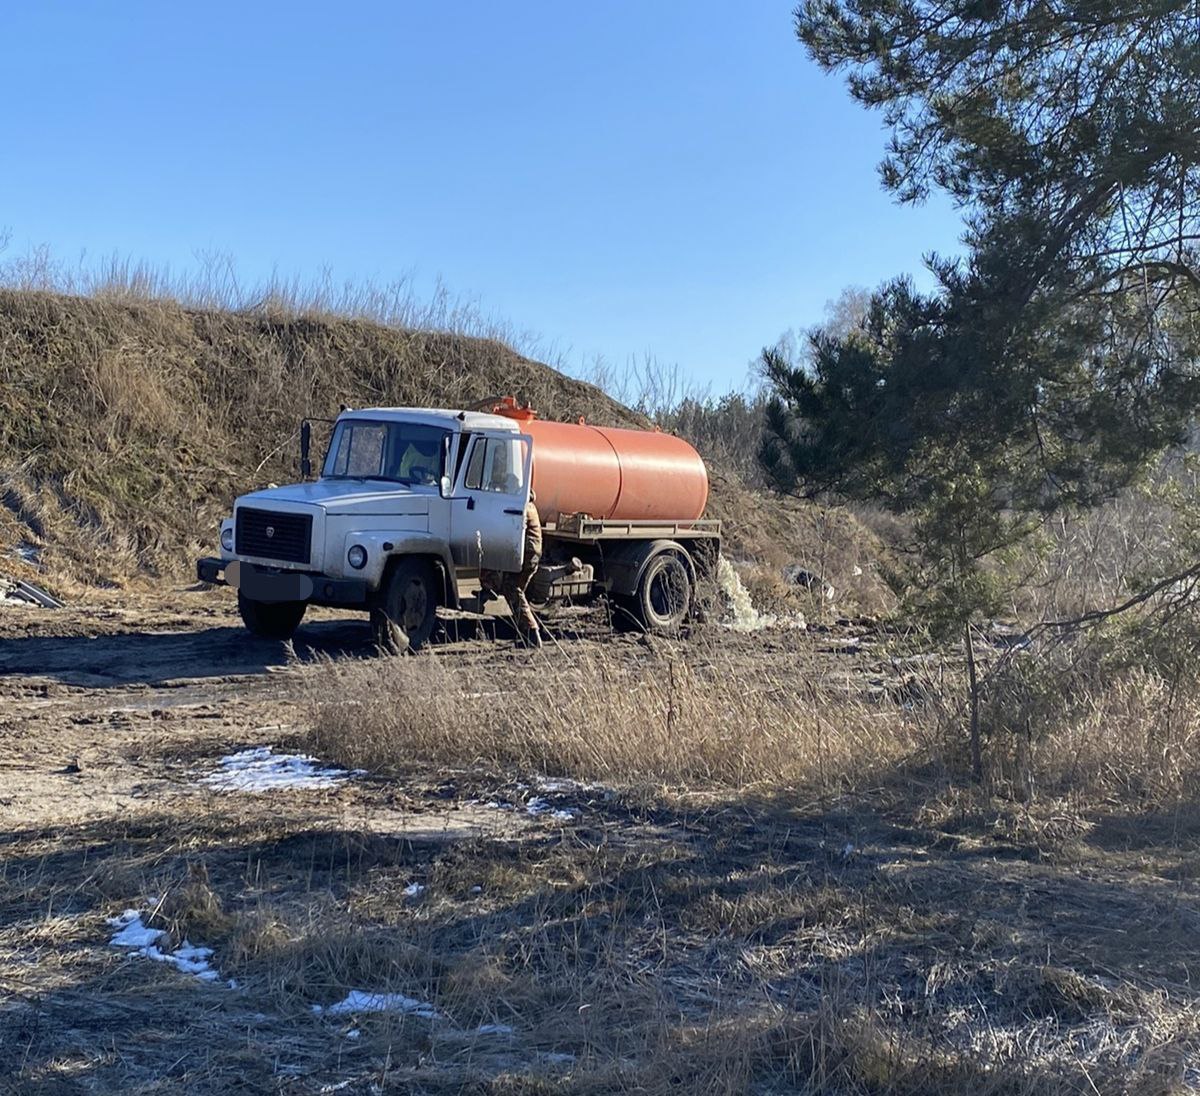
{"points": [[514, 511]]}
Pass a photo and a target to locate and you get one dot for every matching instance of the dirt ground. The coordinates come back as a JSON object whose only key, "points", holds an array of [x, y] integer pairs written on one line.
{"points": [[900, 939]]}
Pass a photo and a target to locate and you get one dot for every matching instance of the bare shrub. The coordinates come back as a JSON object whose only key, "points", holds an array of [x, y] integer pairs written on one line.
{"points": [[1089, 717]]}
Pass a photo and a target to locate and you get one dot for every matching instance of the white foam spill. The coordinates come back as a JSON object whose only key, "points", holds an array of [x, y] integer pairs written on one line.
{"points": [[261, 770], [742, 615], [358, 1000], [133, 933]]}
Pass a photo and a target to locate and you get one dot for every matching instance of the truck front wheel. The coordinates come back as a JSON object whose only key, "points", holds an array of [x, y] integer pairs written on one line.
{"points": [[271, 619], [404, 617], [663, 599]]}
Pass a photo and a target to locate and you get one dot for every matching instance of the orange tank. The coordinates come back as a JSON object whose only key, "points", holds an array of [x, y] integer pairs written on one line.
{"points": [[625, 475]]}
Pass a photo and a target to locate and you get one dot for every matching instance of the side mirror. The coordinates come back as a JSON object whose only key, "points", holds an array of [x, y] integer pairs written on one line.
{"points": [[446, 487], [305, 442]]}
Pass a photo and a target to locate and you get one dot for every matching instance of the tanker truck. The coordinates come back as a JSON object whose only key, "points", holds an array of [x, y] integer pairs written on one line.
{"points": [[411, 504]]}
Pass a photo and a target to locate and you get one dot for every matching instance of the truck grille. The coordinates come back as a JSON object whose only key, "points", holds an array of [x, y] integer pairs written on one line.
{"points": [[271, 535]]}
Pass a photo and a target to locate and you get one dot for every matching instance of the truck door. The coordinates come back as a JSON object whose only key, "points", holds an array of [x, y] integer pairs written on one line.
{"points": [[487, 523]]}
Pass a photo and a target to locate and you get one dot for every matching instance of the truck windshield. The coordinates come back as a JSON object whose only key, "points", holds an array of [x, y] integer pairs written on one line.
{"points": [[404, 452]]}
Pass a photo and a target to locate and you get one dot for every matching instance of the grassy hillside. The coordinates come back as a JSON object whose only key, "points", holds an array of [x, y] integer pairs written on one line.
{"points": [[127, 427]]}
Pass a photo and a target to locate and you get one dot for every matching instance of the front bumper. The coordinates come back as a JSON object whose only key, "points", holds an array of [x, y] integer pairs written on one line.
{"points": [[267, 584]]}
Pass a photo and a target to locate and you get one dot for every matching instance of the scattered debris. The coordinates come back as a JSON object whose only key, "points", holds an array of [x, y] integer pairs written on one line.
{"points": [[414, 889], [26, 593], [1008, 637], [261, 770], [133, 933], [361, 1001], [799, 576]]}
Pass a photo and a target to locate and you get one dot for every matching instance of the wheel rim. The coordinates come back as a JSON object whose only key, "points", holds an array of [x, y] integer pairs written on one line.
{"points": [[414, 606], [667, 593]]}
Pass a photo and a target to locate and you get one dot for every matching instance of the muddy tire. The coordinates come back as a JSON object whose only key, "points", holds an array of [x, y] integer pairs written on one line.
{"points": [[405, 616], [271, 619], [622, 612], [663, 601]]}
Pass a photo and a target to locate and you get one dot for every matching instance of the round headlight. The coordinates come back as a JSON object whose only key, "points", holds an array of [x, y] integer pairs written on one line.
{"points": [[357, 556], [227, 539]]}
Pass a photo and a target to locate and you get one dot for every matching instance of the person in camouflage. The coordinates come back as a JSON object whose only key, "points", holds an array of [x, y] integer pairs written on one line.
{"points": [[515, 583], [512, 585]]}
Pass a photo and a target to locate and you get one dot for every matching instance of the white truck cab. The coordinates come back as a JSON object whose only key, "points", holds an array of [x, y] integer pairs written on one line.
{"points": [[410, 506]]}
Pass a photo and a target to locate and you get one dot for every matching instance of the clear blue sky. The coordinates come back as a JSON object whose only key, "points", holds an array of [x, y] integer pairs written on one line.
{"points": [[623, 178]]}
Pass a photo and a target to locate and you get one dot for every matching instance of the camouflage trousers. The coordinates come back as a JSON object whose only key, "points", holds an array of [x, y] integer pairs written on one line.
{"points": [[511, 585]]}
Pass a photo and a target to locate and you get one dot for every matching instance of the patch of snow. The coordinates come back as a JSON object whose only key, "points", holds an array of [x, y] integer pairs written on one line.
{"points": [[260, 769], [362, 1001], [558, 786], [30, 553], [133, 933], [413, 889], [537, 805], [494, 1029], [188, 959]]}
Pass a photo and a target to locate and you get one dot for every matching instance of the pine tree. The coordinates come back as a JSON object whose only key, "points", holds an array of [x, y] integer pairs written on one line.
{"points": [[1059, 356]]}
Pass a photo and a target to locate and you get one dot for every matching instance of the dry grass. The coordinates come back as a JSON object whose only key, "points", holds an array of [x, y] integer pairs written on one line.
{"points": [[727, 951], [693, 714], [130, 420], [128, 425]]}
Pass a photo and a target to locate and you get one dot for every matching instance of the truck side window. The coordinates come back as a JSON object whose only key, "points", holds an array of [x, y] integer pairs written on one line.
{"points": [[475, 464], [495, 465]]}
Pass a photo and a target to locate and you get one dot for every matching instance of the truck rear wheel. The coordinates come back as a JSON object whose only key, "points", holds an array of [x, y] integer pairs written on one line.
{"points": [[663, 599], [407, 611], [271, 619]]}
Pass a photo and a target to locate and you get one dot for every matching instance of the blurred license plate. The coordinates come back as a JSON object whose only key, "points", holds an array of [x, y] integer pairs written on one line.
{"points": [[266, 585]]}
